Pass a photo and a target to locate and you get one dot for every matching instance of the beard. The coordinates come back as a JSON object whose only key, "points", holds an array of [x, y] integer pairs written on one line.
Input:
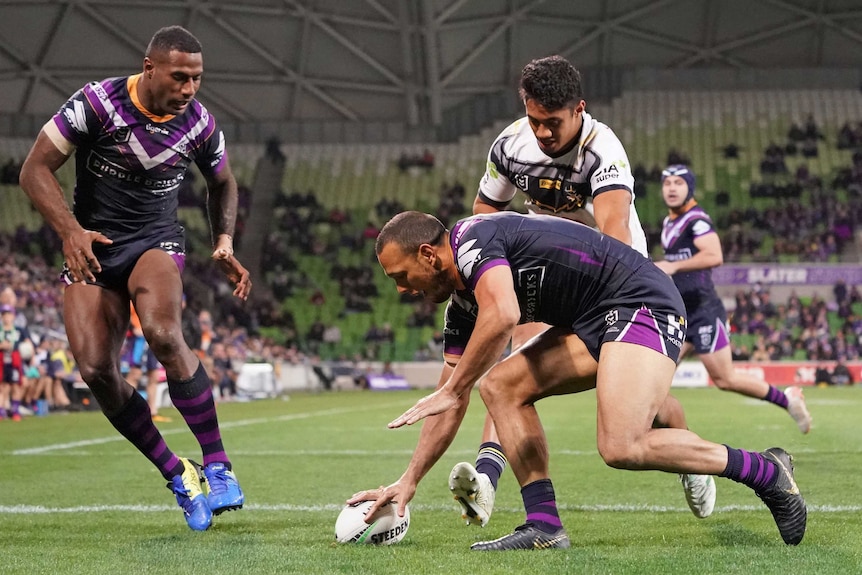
{"points": [[444, 287]]}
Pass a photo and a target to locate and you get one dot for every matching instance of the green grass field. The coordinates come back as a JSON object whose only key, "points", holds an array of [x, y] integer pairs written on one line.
{"points": [[76, 498]]}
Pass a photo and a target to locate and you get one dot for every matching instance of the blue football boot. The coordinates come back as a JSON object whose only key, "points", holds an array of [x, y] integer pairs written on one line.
{"points": [[222, 489], [190, 496]]}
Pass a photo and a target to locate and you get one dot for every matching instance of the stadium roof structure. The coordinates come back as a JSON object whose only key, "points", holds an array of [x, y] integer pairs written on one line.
{"points": [[407, 61]]}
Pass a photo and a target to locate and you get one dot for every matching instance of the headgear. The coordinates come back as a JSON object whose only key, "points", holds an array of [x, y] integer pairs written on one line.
{"points": [[683, 172]]}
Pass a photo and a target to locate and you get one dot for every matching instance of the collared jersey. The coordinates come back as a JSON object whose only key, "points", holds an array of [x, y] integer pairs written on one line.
{"points": [[565, 185], [129, 163], [677, 238]]}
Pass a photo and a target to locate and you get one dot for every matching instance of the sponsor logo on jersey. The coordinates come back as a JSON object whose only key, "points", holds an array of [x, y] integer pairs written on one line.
{"points": [[548, 184], [683, 254], [99, 90], [611, 172], [156, 129], [104, 168], [530, 283]]}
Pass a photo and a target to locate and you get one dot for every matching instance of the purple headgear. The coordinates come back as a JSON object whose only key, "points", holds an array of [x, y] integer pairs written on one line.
{"points": [[683, 172], [6, 308]]}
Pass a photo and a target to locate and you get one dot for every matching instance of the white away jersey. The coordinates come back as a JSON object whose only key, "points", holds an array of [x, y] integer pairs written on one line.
{"points": [[566, 185]]}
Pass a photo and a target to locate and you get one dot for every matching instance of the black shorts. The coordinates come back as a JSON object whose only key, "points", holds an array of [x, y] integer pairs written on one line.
{"points": [[648, 312], [119, 259], [12, 374], [707, 327]]}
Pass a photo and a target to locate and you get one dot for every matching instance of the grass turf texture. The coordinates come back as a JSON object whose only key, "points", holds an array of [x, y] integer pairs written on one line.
{"points": [[76, 498]]}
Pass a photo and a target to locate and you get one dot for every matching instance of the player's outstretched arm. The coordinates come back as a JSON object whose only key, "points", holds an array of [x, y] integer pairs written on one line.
{"points": [[434, 439]]}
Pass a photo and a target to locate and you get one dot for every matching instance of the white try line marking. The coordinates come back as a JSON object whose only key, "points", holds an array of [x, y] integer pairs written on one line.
{"points": [[334, 508], [225, 425]]}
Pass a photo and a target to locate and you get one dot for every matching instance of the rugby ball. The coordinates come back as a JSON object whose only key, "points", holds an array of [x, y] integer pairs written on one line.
{"points": [[385, 529]]}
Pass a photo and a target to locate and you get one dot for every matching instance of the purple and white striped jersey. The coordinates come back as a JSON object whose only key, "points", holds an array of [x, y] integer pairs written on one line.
{"points": [[130, 163], [677, 238]]}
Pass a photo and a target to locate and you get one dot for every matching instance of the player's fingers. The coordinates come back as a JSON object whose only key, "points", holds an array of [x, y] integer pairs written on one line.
{"points": [[361, 496], [401, 419], [93, 264], [79, 266]]}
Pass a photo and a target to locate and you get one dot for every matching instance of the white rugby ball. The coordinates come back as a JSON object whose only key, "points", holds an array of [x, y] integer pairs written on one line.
{"points": [[386, 528]]}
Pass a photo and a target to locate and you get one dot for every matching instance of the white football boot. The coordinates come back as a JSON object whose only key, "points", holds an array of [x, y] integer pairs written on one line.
{"points": [[475, 493], [699, 493], [797, 409]]}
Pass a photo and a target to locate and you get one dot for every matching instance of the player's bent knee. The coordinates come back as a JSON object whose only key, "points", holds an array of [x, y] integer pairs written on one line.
{"points": [[165, 343], [619, 455], [497, 391], [97, 374], [722, 383]]}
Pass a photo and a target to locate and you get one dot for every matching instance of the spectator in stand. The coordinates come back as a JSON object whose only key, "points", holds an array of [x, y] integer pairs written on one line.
{"points": [[13, 380], [740, 352], [822, 375], [225, 374], [841, 374]]}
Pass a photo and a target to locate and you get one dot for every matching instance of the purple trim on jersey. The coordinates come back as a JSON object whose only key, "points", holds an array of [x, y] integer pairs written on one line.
{"points": [[585, 258], [474, 279], [672, 229], [643, 329], [221, 163], [454, 350]]}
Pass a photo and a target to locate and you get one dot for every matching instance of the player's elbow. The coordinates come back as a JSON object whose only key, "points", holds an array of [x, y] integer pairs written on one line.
{"points": [[507, 317], [481, 207]]}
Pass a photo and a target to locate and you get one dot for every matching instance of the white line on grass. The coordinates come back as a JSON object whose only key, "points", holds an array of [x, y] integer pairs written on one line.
{"points": [[331, 508], [225, 425]]}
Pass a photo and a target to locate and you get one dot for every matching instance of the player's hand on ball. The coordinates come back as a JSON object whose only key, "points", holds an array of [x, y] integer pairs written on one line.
{"points": [[399, 492]]}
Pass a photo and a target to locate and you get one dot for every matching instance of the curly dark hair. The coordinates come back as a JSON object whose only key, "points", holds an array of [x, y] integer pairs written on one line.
{"points": [[173, 38], [552, 82]]}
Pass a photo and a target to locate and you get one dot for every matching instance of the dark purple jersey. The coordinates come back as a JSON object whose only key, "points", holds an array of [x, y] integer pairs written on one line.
{"points": [[130, 163], [565, 274], [677, 238]]}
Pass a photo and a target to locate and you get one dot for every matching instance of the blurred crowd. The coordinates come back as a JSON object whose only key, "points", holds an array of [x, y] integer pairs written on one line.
{"points": [[808, 221]]}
